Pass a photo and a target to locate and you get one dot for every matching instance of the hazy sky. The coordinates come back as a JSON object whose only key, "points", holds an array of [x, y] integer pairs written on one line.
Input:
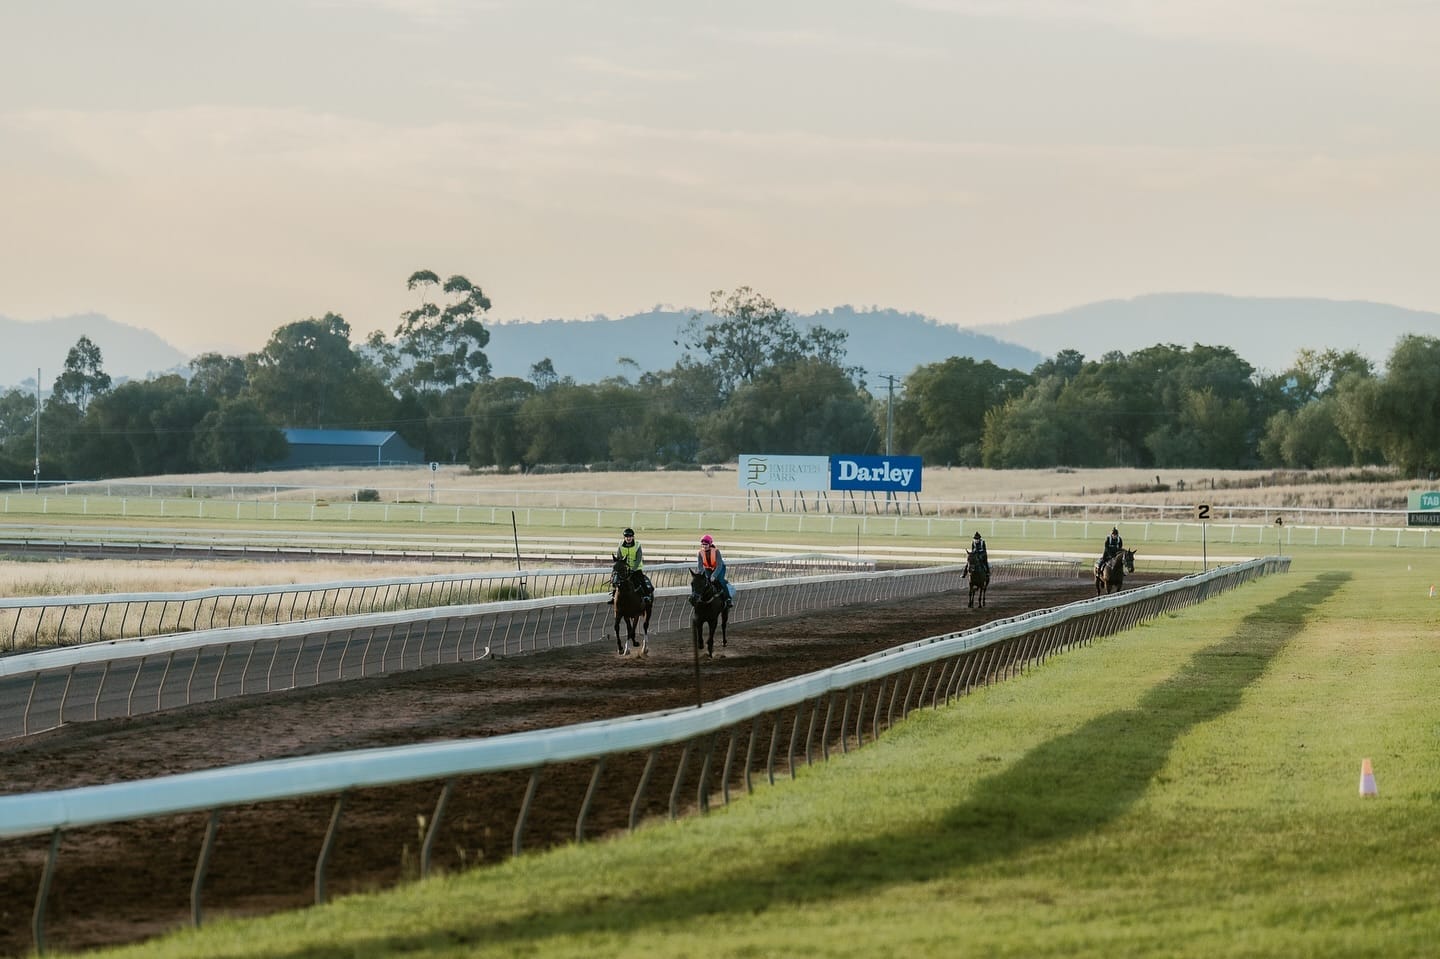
{"points": [[214, 170]]}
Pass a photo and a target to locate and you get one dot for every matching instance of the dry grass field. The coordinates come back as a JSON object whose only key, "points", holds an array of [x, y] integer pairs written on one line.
{"points": [[1367, 489], [85, 577]]}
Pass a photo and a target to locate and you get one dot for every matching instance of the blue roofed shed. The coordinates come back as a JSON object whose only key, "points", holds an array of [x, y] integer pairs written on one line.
{"points": [[346, 448]]}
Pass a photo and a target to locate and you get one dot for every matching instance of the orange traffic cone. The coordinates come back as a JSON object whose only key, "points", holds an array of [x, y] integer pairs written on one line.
{"points": [[1367, 779]]}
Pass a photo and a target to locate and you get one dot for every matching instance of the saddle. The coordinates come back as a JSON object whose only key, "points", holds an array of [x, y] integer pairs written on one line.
{"points": [[640, 586]]}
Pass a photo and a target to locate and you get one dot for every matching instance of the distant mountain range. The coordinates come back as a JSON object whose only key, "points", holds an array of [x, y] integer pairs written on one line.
{"points": [[880, 341], [127, 352], [1266, 332]]}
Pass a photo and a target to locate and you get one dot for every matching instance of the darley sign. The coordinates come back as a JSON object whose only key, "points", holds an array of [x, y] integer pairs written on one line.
{"points": [[878, 474]]}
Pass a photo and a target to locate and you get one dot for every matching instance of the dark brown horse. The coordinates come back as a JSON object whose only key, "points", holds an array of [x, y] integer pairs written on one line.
{"points": [[979, 575], [707, 601], [1110, 575], [631, 608]]}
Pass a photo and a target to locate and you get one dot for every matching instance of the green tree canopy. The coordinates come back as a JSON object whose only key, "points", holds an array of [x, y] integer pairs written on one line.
{"points": [[17, 424], [746, 334], [1397, 413], [1304, 428], [1308, 438], [1047, 425], [218, 376], [141, 427], [309, 376], [494, 413], [236, 436], [83, 378], [808, 406], [941, 415]]}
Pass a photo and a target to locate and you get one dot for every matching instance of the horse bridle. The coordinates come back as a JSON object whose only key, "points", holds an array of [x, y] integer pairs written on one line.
{"points": [[705, 593]]}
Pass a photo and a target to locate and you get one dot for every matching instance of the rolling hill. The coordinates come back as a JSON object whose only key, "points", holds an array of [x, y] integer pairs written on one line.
{"points": [[881, 341], [1265, 331], [128, 353]]}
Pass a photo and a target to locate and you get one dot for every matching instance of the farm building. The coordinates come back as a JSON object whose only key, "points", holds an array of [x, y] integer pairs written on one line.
{"points": [[346, 448]]}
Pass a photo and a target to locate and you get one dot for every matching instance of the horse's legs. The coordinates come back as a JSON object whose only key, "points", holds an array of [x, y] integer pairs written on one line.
{"points": [[724, 618]]}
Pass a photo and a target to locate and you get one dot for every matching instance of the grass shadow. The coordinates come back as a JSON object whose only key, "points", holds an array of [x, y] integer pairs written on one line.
{"points": [[1066, 787]]}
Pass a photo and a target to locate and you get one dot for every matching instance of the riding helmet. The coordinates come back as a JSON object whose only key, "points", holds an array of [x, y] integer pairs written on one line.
{"points": [[629, 531], [707, 539], [977, 534]]}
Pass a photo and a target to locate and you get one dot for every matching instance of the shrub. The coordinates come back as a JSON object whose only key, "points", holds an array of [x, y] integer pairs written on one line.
{"points": [[509, 591]]}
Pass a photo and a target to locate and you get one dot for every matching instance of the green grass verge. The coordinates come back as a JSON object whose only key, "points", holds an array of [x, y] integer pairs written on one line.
{"points": [[1188, 788]]}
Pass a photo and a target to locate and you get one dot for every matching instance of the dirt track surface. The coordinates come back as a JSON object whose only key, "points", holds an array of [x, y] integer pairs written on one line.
{"points": [[127, 882]]}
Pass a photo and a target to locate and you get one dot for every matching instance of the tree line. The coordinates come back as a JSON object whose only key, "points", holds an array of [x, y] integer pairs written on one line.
{"points": [[749, 379]]}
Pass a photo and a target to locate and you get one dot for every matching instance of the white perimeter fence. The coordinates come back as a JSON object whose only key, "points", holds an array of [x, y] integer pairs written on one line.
{"points": [[260, 500], [872, 514], [866, 696], [42, 621]]}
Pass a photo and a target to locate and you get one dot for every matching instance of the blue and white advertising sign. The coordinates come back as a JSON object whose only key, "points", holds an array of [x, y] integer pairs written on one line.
{"points": [[880, 474], [760, 471]]}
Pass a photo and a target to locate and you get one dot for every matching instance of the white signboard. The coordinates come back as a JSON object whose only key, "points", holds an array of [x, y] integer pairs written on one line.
{"points": [[760, 471]]}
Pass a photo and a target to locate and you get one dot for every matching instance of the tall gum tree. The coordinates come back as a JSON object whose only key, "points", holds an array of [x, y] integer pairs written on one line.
{"points": [[745, 334]]}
